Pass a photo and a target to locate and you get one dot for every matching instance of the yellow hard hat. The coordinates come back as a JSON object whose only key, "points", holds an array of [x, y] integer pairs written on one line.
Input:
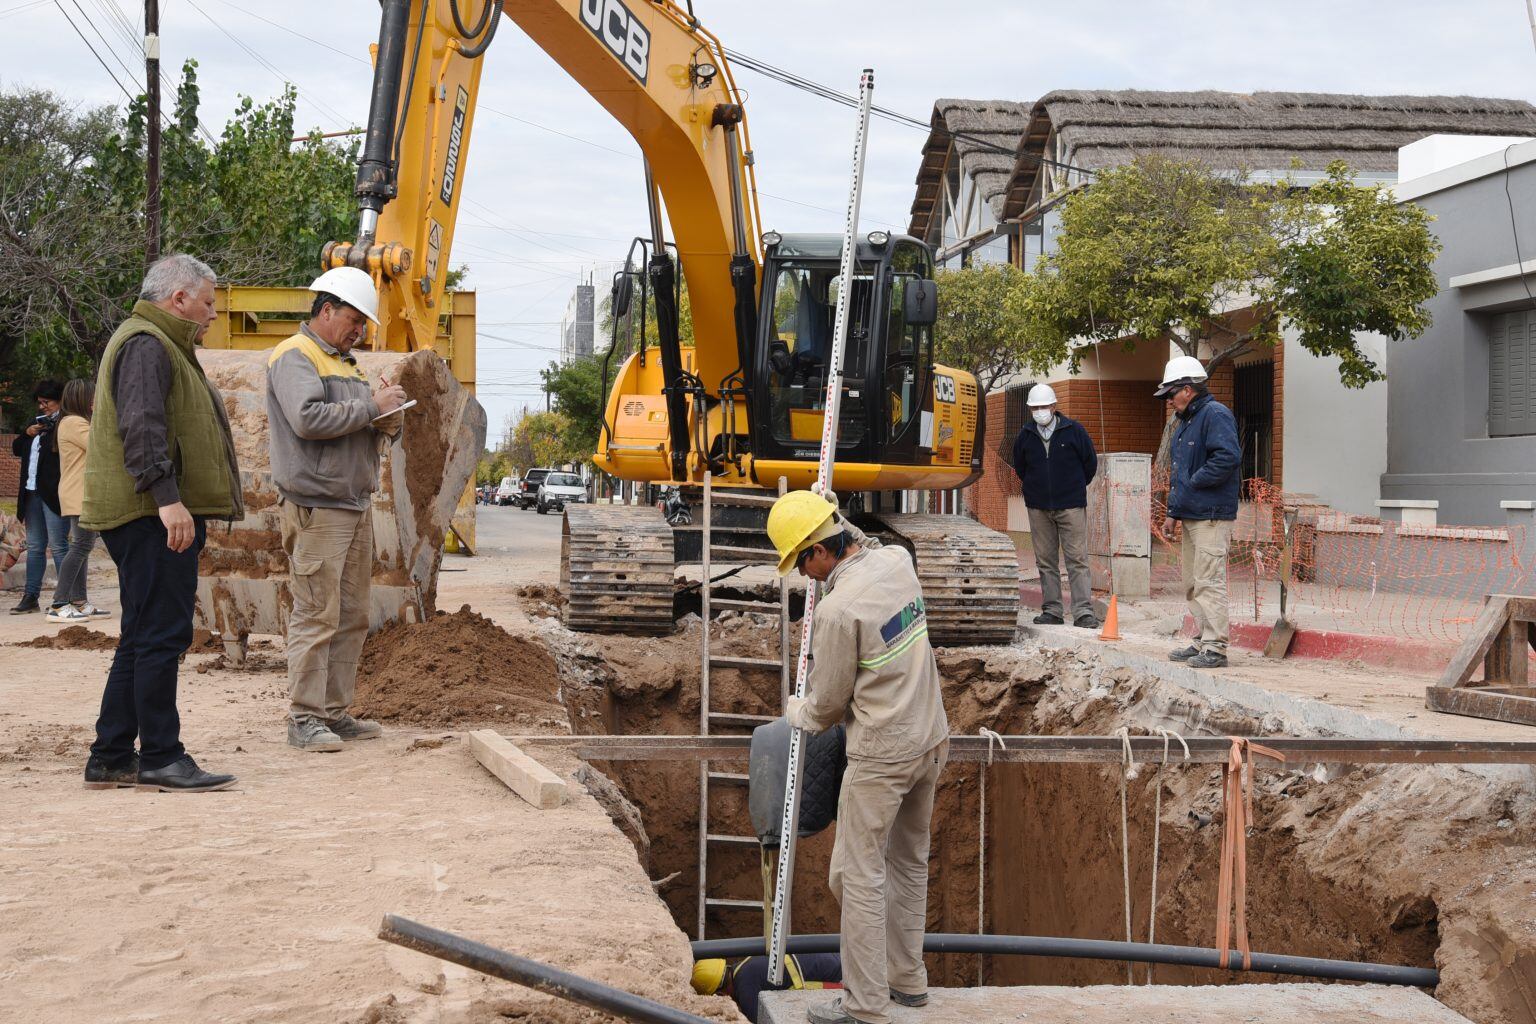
{"points": [[708, 975], [798, 520]]}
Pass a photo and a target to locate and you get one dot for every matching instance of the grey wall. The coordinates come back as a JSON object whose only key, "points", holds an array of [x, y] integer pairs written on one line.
{"points": [[1437, 386]]}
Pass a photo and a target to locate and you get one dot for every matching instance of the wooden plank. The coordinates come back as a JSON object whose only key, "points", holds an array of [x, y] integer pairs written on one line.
{"points": [[1298, 751], [1517, 652], [1474, 702], [1522, 608], [1496, 667], [1476, 645], [523, 775]]}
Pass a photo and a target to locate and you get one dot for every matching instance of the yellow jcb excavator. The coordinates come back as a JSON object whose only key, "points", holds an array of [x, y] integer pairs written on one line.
{"points": [[743, 403]]}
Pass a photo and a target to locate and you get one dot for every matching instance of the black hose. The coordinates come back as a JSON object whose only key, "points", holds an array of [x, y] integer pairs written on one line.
{"points": [[458, 20], [1100, 949], [492, 14], [542, 977]]}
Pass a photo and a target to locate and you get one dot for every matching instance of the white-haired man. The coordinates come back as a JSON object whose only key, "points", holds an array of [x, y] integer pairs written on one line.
{"points": [[1055, 461], [161, 462]]}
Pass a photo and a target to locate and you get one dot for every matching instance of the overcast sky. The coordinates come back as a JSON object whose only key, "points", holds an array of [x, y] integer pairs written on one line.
{"points": [[553, 186]]}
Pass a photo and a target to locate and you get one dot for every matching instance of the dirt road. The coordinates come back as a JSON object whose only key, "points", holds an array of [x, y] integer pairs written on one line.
{"points": [[260, 904]]}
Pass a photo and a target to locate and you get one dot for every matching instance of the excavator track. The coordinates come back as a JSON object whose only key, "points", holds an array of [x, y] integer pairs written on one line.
{"points": [[970, 577], [616, 567]]}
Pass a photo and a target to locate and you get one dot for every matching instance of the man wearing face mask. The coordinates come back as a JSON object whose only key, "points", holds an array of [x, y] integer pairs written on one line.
{"points": [[324, 419], [1055, 461]]}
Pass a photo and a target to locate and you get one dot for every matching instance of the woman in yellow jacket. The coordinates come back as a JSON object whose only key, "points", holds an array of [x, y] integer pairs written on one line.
{"points": [[72, 437]]}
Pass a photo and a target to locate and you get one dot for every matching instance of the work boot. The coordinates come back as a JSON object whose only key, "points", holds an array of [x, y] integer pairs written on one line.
{"points": [[1086, 622], [28, 603], [349, 728], [183, 776], [1208, 659], [1183, 653], [830, 1013], [99, 775], [311, 734], [1047, 619], [903, 999]]}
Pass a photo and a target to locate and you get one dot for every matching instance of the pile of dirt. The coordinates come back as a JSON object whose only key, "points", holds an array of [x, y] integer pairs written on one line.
{"points": [[457, 669], [541, 600], [73, 638]]}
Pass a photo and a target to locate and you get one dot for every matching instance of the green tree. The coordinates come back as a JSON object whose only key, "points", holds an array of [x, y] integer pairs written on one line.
{"points": [[1163, 249], [491, 467], [974, 330], [577, 391], [254, 205], [546, 438]]}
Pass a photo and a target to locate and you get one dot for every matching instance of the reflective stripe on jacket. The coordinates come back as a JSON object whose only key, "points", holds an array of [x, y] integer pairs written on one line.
{"points": [[873, 667]]}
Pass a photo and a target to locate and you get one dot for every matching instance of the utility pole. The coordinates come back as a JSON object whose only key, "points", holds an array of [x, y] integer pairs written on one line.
{"points": [[152, 155]]}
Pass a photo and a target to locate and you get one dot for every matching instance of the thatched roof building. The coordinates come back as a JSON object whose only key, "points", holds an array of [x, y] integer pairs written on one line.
{"points": [[1239, 131]]}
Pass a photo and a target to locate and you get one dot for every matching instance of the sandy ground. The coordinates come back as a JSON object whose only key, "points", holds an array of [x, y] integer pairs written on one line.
{"points": [[262, 903]]}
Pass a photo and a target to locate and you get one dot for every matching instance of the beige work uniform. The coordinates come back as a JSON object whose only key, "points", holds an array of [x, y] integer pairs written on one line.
{"points": [[325, 464], [874, 671], [1203, 558]]}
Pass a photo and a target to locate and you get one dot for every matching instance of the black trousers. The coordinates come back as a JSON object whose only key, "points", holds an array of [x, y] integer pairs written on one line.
{"points": [[157, 588]]}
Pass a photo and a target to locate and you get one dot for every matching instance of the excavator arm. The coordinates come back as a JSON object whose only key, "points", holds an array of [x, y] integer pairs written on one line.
{"points": [[647, 62]]}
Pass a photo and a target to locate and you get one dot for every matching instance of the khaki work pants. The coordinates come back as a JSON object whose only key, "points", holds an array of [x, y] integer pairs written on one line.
{"points": [[1203, 552], [880, 877], [330, 569], [1065, 532]]}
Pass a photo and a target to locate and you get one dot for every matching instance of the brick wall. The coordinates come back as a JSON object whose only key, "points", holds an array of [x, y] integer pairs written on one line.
{"points": [[987, 498], [1120, 415], [10, 468]]}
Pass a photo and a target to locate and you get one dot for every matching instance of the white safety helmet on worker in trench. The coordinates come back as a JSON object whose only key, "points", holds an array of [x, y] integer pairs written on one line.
{"points": [[1181, 370], [352, 286], [1040, 396]]}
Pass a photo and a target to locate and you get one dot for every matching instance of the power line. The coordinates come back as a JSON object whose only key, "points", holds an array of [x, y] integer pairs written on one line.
{"points": [[272, 68], [20, 8], [128, 72], [88, 46]]}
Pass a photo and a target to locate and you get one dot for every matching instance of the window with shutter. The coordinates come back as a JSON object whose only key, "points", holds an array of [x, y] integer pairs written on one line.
{"points": [[1511, 362]]}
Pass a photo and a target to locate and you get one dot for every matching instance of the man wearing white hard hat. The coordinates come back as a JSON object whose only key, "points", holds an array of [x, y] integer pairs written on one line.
{"points": [[325, 426], [1204, 465], [1055, 461]]}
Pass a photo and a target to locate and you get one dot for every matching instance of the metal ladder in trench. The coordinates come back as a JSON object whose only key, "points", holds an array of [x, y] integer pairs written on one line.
{"points": [[712, 720]]}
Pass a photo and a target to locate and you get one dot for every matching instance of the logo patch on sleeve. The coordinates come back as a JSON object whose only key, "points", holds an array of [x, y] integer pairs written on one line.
{"points": [[900, 632]]}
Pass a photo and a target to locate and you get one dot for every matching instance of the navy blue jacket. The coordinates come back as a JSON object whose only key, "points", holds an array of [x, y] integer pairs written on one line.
{"points": [[1206, 463], [1061, 479]]}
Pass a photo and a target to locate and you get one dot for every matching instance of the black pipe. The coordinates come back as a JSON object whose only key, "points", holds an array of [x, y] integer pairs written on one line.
{"points": [[375, 170], [542, 977], [1099, 949]]}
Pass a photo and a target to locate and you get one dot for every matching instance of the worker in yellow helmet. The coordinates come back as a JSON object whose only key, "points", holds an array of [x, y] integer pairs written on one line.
{"points": [[745, 979], [874, 671]]}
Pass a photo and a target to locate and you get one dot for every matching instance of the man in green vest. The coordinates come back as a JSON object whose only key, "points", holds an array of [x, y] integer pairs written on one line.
{"points": [[161, 463]]}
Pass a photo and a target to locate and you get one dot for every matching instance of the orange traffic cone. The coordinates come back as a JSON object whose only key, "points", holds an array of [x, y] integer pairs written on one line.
{"points": [[1111, 629]]}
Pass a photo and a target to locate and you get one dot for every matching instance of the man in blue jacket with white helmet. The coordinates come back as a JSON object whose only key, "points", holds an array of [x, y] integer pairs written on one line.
{"points": [[1205, 462], [1055, 461]]}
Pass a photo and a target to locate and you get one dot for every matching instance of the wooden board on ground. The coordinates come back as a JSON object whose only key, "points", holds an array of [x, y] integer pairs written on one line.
{"points": [[523, 775], [1501, 640]]}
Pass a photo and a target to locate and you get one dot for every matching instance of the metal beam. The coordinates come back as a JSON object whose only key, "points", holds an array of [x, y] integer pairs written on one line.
{"points": [[1080, 749]]}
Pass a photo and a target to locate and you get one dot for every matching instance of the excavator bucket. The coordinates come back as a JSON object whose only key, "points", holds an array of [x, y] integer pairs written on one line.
{"points": [[243, 573]]}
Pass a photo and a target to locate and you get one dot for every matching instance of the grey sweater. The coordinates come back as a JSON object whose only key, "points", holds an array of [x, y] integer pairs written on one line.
{"points": [[320, 407]]}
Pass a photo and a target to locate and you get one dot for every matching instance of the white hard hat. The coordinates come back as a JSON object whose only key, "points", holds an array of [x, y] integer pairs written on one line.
{"points": [[352, 286], [1040, 396], [1181, 370]]}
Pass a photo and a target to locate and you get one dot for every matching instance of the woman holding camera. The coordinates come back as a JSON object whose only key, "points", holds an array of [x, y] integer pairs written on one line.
{"points": [[72, 437]]}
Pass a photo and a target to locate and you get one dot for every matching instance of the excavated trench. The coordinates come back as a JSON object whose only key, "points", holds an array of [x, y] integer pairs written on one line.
{"points": [[1422, 866]]}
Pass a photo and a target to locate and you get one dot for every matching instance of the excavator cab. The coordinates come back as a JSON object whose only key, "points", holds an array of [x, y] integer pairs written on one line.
{"points": [[887, 362]]}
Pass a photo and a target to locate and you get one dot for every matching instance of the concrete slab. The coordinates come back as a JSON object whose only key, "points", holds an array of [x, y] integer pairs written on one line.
{"points": [[1155, 1004]]}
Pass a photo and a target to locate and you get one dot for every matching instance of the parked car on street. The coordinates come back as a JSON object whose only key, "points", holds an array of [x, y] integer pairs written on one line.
{"points": [[507, 493], [528, 486], [560, 490]]}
